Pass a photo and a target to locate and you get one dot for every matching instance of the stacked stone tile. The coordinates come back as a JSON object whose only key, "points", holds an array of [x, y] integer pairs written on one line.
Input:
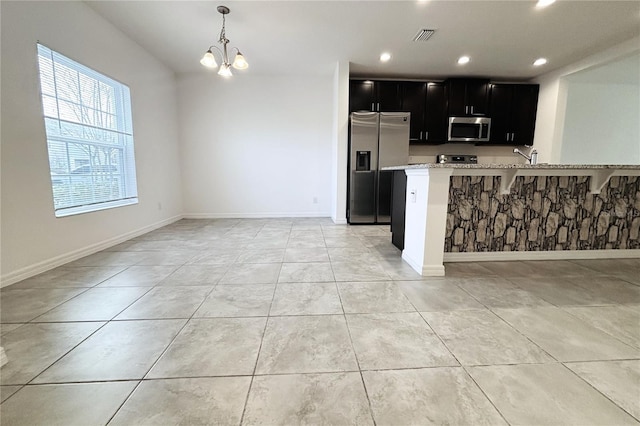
{"points": [[542, 213]]}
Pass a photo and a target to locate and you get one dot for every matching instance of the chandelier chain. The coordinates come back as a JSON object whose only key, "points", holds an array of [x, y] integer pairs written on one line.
{"points": [[223, 35]]}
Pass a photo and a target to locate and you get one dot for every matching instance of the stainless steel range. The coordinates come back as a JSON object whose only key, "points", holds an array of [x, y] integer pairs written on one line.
{"points": [[456, 159]]}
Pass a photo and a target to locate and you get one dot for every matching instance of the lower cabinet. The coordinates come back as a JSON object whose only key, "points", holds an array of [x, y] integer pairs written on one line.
{"points": [[398, 205]]}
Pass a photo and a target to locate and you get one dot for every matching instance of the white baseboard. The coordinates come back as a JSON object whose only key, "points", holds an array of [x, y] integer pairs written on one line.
{"points": [[339, 221], [424, 270], [54, 262], [253, 215], [541, 255], [433, 271]]}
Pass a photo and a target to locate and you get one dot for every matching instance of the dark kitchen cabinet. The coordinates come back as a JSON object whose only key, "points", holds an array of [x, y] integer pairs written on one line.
{"points": [[435, 125], [427, 104], [513, 113], [467, 97], [413, 101], [378, 96], [362, 95], [389, 97], [398, 207]]}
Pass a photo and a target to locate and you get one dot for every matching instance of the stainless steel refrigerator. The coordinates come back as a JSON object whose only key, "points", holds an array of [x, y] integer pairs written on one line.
{"points": [[376, 140]]}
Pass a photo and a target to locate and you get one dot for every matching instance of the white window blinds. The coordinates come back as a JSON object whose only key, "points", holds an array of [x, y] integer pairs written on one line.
{"points": [[89, 136]]}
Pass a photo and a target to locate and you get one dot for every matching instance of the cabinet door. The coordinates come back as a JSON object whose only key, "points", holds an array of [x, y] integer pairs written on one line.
{"points": [[456, 98], [500, 113], [477, 92], [389, 96], [413, 101], [436, 116], [398, 207], [361, 95], [523, 113]]}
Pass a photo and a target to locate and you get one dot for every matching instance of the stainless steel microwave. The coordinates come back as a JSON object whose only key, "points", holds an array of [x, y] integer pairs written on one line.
{"points": [[469, 129]]}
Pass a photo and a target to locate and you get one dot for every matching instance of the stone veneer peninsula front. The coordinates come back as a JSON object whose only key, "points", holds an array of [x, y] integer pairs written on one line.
{"points": [[475, 212]]}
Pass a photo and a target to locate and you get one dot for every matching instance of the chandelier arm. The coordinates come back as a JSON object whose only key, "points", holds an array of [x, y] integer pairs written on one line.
{"points": [[218, 49]]}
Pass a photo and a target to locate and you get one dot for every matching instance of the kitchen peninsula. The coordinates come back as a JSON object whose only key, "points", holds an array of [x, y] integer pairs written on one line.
{"points": [[474, 212]]}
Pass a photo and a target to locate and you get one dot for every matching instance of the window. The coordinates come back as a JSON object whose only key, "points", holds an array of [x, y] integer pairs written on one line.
{"points": [[89, 136]]}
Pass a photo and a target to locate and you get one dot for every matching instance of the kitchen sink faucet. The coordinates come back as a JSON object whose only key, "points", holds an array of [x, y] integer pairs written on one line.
{"points": [[532, 157]]}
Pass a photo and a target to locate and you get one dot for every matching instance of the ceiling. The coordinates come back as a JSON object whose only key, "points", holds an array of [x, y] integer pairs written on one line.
{"points": [[308, 37]]}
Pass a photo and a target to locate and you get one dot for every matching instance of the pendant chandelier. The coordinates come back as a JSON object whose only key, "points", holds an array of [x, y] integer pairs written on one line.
{"points": [[209, 61]]}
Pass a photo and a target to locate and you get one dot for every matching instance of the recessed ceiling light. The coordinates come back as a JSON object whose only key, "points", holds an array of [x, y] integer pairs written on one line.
{"points": [[463, 60], [544, 3], [385, 57], [540, 61]]}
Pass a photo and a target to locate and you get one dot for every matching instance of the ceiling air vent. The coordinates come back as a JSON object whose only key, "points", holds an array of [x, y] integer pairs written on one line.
{"points": [[423, 35]]}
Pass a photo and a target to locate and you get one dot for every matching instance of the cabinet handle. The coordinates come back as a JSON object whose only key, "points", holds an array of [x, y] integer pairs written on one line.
{"points": [[508, 137], [471, 109], [426, 136], [420, 135], [466, 109], [373, 108], [513, 136], [378, 106]]}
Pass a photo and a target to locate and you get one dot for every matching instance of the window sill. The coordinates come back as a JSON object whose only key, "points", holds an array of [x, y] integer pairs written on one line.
{"points": [[71, 211]]}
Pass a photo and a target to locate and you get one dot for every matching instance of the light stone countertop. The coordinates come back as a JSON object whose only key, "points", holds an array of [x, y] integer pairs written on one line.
{"points": [[540, 166]]}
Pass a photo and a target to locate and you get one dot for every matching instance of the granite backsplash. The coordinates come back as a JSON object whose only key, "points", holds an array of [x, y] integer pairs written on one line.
{"points": [[542, 213]]}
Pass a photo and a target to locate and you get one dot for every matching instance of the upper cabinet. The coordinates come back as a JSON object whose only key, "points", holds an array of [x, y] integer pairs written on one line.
{"points": [[511, 107], [513, 113], [413, 101], [467, 97], [367, 95], [362, 95]]}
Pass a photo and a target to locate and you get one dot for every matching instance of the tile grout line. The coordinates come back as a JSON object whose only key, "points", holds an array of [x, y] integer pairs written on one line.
{"points": [[255, 365], [346, 323], [489, 309], [598, 390], [464, 369], [159, 357]]}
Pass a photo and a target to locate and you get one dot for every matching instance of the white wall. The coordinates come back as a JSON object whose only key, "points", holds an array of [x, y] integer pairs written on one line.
{"points": [[33, 239], [256, 145], [553, 97], [602, 124], [340, 145]]}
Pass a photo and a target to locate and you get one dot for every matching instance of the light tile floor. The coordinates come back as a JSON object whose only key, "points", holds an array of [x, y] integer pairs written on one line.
{"points": [[300, 321]]}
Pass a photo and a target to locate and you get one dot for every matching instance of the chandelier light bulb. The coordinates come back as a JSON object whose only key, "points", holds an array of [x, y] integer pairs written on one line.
{"points": [[225, 70], [239, 62], [385, 57], [463, 60], [544, 3], [539, 62], [208, 60]]}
